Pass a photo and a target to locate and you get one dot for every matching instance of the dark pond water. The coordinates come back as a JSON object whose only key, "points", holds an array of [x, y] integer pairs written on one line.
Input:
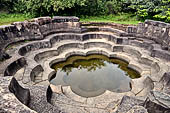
{"points": [[92, 75]]}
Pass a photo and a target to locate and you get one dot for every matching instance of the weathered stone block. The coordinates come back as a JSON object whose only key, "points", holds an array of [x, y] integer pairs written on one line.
{"points": [[42, 20], [131, 29], [165, 81], [21, 93], [138, 109], [65, 19], [157, 102], [161, 54], [128, 103]]}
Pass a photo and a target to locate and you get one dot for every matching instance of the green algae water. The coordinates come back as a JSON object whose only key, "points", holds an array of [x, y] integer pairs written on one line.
{"points": [[90, 76]]}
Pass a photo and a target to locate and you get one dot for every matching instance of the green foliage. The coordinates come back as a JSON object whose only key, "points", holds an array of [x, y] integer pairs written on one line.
{"points": [[7, 5], [144, 9], [118, 6], [45, 7], [68, 7], [152, 9], [92, 8], [113, 7]]}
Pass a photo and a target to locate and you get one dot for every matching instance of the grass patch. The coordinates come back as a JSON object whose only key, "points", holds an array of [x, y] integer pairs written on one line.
{"points": [[123, 18], [10, 18]]}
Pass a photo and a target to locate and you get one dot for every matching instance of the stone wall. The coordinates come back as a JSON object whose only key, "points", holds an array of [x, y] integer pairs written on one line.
{"points": [[39, 28], [154, 30], [112, 25], [34, 29]]}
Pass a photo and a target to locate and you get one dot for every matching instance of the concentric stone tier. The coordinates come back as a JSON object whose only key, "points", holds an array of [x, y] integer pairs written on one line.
{"points": [[29, 49]]}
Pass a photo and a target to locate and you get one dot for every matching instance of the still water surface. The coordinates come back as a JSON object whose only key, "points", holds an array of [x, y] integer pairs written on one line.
{"points": [[90, 76]]}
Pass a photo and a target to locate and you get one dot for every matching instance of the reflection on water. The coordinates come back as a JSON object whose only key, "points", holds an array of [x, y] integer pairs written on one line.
{"points": [[94, 74]]}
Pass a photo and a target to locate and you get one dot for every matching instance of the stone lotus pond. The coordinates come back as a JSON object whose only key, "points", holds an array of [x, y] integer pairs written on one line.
{"points": [[92, 75], [27, 77]]}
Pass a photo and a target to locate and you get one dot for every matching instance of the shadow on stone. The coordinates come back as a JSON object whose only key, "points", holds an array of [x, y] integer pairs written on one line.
{"points": [[153, 107], [4, 56], [49, 94], [22, 94], [165, 81]]}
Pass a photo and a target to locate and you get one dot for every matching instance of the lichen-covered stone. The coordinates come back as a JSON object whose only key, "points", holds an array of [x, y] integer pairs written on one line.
{"points": [[127, 103]]}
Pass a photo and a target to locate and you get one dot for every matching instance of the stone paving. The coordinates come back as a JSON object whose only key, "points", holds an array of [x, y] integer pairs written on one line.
{"points": [[29, 49]]}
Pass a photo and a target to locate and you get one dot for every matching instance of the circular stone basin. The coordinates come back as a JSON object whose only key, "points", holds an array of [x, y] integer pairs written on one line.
{"points": [[90, 76]]}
